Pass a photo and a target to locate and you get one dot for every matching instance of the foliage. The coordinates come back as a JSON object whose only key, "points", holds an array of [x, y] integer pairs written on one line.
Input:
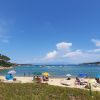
{"points": [[32, 91], [91, 63], [4, 58], [5, 64], [4, 61]]}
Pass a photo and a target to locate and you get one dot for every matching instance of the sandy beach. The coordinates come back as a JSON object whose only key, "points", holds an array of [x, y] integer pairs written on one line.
{"points": [[2, 68], [52, 81]]}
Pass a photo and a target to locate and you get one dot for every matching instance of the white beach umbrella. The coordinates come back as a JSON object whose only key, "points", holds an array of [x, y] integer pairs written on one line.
{"points": [[12, 72], [68, 75]]}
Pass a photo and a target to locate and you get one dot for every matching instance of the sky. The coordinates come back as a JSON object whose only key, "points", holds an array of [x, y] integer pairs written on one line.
{"points": [[50, 31]]}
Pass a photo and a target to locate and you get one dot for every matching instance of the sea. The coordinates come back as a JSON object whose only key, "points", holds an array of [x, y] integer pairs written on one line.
{"points": [[55, 70]]}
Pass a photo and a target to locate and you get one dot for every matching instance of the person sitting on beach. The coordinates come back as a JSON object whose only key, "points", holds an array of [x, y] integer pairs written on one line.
{"points": [[80, 81], [45, 78], [97, 80], [77, 81], [38, 79], [68, 78]]}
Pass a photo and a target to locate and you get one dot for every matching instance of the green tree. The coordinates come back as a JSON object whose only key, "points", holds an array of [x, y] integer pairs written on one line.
{"points": [[4, 61], [4, 58]]}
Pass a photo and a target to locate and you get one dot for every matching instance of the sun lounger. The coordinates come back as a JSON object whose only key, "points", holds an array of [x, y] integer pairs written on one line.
{"points": [[96, 85], [80, 81]]}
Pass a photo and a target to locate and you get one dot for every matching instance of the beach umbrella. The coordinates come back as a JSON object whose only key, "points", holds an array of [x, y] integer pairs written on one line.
{"points": [[82, 75], [12, 72], [68, 75], [37, 73], [45, 74], [97, 76], [9, 77]]}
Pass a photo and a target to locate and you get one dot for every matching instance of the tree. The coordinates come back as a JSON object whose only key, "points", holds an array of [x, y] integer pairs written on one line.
{"points": [[4, 61], [4, 58]]}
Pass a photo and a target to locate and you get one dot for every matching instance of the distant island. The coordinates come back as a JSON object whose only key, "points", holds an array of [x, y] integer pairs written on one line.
{"points": [[5, 63], [91, 63]]}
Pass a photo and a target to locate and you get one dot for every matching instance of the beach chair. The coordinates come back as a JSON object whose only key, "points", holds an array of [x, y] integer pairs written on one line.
{"points": [[80, 81], [96, 85], [83, 82], [77, 81]]}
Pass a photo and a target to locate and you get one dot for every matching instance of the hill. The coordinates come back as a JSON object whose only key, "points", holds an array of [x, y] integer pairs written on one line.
{"points": [[91, 63]]}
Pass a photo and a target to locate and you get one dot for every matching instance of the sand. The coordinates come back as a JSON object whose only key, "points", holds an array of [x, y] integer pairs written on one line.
{"points": [[3, 68], [52, 81]]}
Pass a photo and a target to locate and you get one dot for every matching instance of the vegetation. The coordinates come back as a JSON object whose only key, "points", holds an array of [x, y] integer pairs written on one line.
{"points": [[4, 61], [30, 91], [91, 63]]}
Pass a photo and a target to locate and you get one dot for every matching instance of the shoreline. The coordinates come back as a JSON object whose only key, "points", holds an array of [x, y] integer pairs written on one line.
{"points": [[52, 81], [51, 77], [3, 68]]}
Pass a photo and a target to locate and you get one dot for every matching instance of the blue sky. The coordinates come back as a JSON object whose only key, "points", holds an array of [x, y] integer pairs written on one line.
{"points": [[50, 31]]}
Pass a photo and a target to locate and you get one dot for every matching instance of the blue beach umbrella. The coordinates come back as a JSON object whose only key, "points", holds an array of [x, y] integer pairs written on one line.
{"points": [[9, 77], [97, 76], [82, 75]]}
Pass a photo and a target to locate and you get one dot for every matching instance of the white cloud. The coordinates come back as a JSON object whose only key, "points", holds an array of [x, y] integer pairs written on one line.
{"points": [[51, 55], [94, 50], [63, 45], [97, 50], [96, 42], [61, 49], [85, 57], [64, 53], [73, 54], [4, 31]]}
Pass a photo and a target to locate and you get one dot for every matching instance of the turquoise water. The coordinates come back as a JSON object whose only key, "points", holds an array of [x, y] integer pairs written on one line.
{"points": [[55, 71]]}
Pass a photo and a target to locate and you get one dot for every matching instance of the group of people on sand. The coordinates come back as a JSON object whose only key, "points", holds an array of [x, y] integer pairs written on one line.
{"points": [[84, 82], [40, 79]]}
